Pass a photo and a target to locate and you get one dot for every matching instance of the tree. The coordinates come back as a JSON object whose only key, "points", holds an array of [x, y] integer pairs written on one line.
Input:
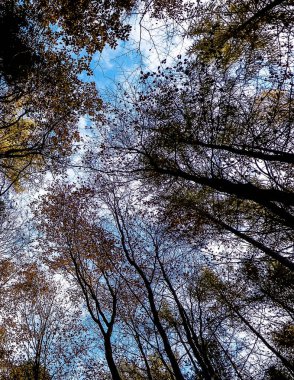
{"points": [[84, 250], [25, 371], [172, 313], [124, 269], [233, 30], [45, 50], [216, 139], [42, 330], [46, 76], [179, 255]]}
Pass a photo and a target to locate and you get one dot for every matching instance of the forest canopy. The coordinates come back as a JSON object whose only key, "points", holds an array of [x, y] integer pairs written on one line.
{"points": [[146, 234]]}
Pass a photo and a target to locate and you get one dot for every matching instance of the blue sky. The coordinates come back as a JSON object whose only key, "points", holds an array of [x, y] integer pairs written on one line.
{"points": [[150, 42]]}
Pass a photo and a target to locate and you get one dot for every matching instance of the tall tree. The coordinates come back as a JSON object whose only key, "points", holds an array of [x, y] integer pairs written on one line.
{"points": [[44, 331], [172, 306], [217, 138], [84, 250]]}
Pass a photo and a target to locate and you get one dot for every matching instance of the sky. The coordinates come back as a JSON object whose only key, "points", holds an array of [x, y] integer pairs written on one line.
{"points": [[150, 42]]}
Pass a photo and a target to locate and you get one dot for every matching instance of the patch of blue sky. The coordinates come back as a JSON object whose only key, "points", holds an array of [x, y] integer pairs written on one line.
{"points": [[115, 65], [150, 42]]}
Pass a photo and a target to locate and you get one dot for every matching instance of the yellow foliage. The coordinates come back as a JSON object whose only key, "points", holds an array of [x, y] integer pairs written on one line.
{"points": [[17, 156]]}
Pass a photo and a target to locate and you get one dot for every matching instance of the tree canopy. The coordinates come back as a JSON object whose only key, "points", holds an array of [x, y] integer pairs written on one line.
{"points": [[159, 245]]}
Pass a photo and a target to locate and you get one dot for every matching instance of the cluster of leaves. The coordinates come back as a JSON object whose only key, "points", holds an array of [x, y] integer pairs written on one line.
{"points": [[230, 30]]}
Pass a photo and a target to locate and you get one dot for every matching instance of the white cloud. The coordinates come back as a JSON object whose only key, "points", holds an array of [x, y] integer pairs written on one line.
{"points": [[150, 42], [157, 40]]}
